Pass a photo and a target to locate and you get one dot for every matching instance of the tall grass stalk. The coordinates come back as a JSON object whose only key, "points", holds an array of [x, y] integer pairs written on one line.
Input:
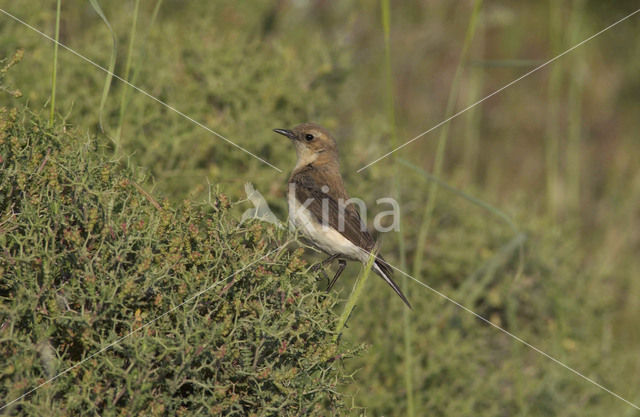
{"points": [[552, 138], [442, 141], [354, 297], [54, 72], [576, 85], [112, 61], [154, 16], [423, 232], [472, 118], [391, 115], [127, 70]]}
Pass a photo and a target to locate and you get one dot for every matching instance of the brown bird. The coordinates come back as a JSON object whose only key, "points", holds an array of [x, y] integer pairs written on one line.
{"points": [[317, 207]]}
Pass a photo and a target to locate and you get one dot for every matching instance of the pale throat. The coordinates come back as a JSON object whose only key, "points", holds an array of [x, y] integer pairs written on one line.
{"points": [[305, 157]]}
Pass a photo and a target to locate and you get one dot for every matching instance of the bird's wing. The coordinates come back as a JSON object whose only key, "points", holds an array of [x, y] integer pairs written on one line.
{"points": [[308, 191], [308, 183]]}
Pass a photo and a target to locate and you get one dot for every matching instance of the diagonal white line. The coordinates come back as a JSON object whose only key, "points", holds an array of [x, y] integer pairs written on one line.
{"points": [[138, 89], [524, 342], [498, 91], [147, 324]]}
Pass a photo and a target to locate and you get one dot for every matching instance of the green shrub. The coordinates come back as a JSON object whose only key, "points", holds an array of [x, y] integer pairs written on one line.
{"points": [[88, 257]]}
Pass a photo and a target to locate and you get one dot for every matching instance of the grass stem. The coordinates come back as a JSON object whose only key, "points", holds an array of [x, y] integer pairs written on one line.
{"points": [[471, 147], [55, 65], [127, 70], [442, 142], [143, 50], [353, 297], [576, 86], [391, 117], [112, 61], [552, 138]]}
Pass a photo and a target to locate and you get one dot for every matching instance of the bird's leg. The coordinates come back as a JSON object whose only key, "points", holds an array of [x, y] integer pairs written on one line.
{"points": [[341, 265], [321, 264]]}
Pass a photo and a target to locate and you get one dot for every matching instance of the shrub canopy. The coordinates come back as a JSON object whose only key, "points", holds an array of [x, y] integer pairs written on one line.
{"points": [[88, 257]]}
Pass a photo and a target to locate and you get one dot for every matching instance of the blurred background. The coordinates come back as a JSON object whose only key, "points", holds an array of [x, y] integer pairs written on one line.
{"points": [[533, 220]]}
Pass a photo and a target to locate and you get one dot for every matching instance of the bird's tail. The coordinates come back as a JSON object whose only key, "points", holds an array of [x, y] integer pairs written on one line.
{"points": [[382, 268]]}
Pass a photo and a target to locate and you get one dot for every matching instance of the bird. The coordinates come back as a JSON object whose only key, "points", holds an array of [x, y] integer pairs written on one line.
{"points": [[316, 200]]}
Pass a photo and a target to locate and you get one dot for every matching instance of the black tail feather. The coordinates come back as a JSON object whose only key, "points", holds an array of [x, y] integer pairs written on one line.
{"points": [[385, 271]]}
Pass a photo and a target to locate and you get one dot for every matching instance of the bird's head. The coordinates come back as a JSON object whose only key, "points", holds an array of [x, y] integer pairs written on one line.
{"points": [[314, 144]]}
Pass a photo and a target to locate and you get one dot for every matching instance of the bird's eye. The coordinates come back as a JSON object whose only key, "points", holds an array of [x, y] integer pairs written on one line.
{"points": [[308, 137]]}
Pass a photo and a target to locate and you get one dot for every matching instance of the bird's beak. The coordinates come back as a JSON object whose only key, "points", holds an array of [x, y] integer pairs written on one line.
{"points": [[286, 132]]}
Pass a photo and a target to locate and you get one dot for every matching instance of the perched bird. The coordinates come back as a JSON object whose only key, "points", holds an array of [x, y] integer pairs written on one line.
{"points": [[317, 207]]}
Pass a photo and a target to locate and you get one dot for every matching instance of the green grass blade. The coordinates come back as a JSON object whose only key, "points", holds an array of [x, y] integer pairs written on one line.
{"points": [[391, 117], [442, 142], [353, 297], [55, 65], [472, 130], [576, 87], [127, 70], [154, 16], [112, 61], [554, 92]]}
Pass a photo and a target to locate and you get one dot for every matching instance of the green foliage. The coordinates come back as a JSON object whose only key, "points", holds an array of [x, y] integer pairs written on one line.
{"points": [[88, 257]]}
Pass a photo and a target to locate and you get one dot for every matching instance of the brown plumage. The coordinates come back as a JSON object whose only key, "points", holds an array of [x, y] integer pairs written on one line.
{"points": [[317, 197]]}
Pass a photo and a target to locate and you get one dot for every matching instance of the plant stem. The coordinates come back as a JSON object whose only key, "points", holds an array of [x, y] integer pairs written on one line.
{"points": [[127, 69], [143, 53], [112, 61], [442, 143], [55, 65], [391, 115], [353, 297], [472, 125], [574, 133], [552, 139]]}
